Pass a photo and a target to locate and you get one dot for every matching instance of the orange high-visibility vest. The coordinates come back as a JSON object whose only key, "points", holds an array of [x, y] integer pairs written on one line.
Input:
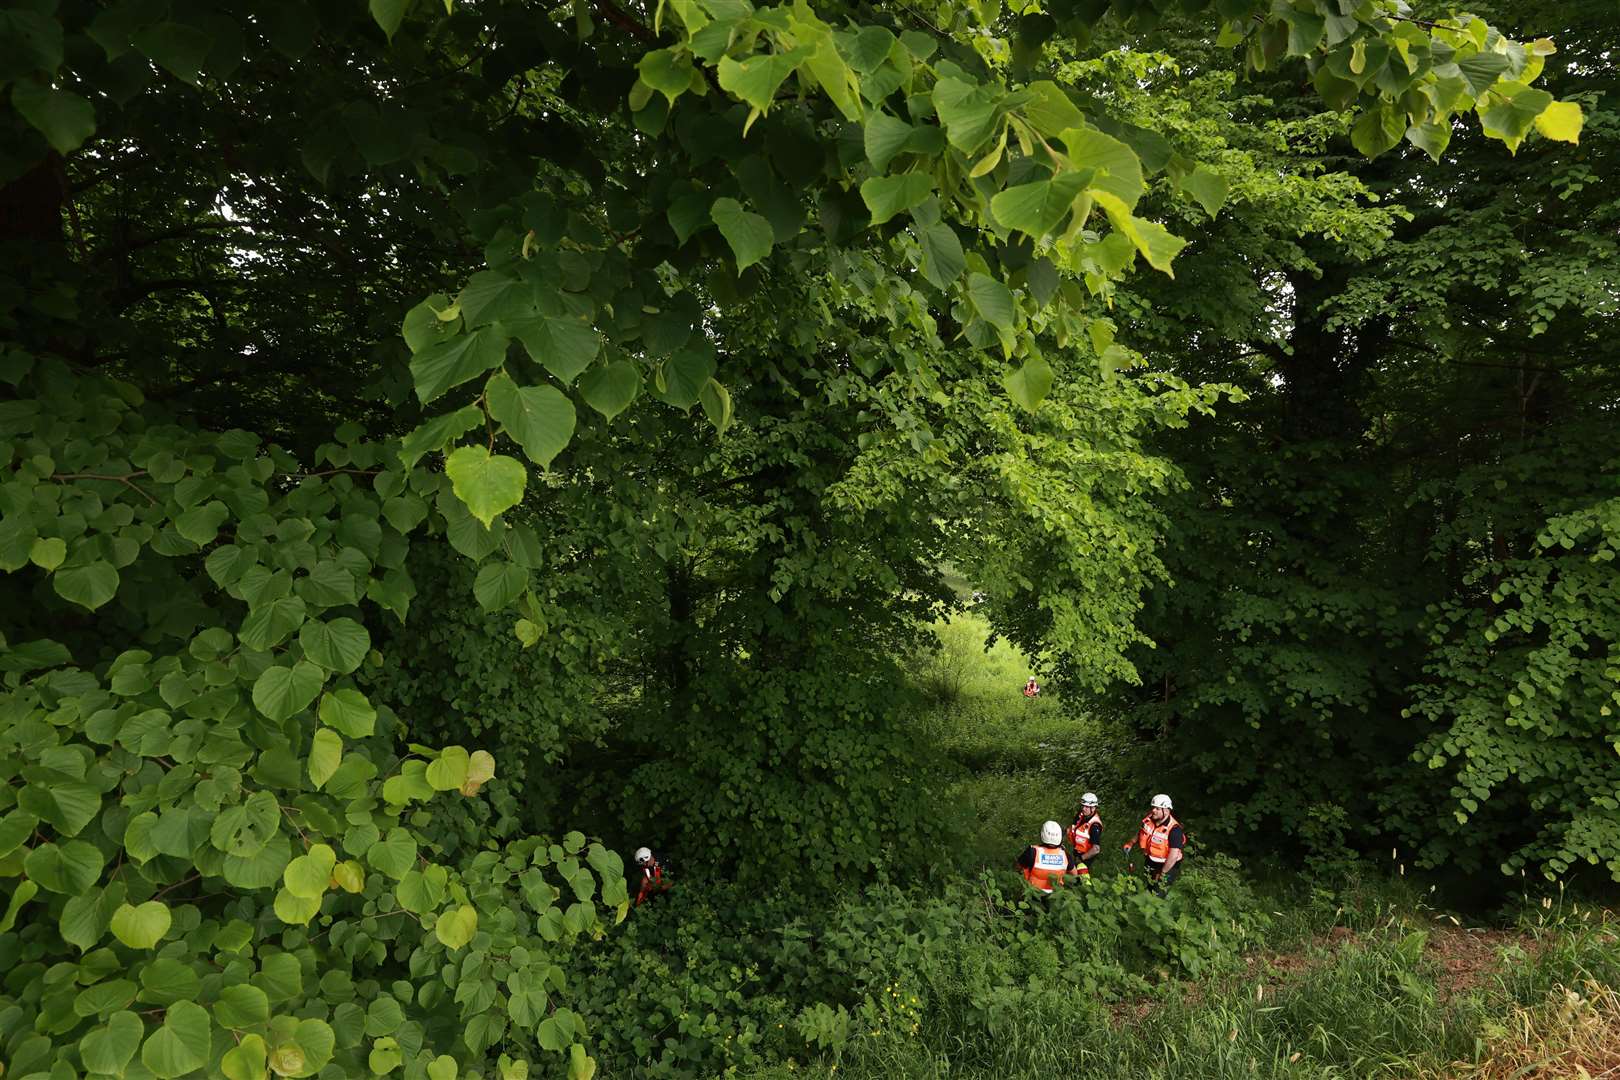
{"points": [[1051, 863], [1154, 840], [1080, 835]]}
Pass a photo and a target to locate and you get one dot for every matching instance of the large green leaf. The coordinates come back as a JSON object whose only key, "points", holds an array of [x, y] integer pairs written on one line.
{"points": [[453, 361], [348, 712], [1118, 169], [749, 234], [992, 300], [1030, 384], [181, 1045], [456, 927], [1207, 186], [539, 418], [969, 112], [563, 346], [756, 79], [885, 139], [886, 196], [325, 754], [109, 1048], [88, 586], [67, 805], [943, 258], [610, 388], [499, 583], [309, 874], [280, 692], [393, 854], [141, 926], [1038, 207], [269, 624], [438, 433], [63, 117], [486, 484], [242, 1006], [338, 645]]}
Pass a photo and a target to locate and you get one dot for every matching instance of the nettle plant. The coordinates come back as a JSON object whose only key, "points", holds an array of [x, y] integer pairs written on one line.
{"points": [[222, 858]]}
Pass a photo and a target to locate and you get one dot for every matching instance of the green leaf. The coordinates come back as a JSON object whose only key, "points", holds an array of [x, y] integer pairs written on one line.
{"points": [[295, 910], [487, 485], [262, 868], [68, 806], [1482, 70], [201, 524], [449, 363], [47, 553], [393, 854], [339, 645], [108, 1049], [1378, 130], [1030, 384], [421, 890], [67, 868], [498, 584], [348, 712], [143, 926], [1561, 120], [886, 196], [756, 79], [448, 771], [943, 259], [242, 1006], [280, 977], [422, 326], [247, 1060], [85, 918], [181, 1045], [611, 388], [716, 401], [25, 891], [686, 373], [1154, 241], [442, 1067], [1038, 207], [1432, 138], [1207, 186], [308, 875], [282, 692], [176, 47], [885, 139], [325, 754], [269, 624], [968, 112], [1511, 119], [563, 346], [456, 927], [992, 300], [539, 418], [1119, 170], [389, 14], [669, 71], [88, 586], [438, 433], [749, 234]]}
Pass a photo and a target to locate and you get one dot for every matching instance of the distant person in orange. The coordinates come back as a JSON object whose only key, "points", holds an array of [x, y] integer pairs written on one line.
{"points": [[649, 876], [1032, 688]]}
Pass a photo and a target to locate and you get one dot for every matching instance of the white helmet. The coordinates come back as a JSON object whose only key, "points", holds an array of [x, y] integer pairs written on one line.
{"points": [[1088, 799], [1162, 802], [1051, 834], [643, 856]]}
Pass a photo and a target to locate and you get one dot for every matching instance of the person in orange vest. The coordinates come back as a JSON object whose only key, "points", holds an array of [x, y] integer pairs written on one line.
{"points": [[1032, 688], [1046, 864], [1086, 832], [649, 876], [1161, 839]]}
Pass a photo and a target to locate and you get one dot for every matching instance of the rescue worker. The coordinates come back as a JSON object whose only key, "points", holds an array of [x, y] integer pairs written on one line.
{"points": [[1032, 688], [649, 876], [1086, 832], [1161, 839], [1046, 864]]}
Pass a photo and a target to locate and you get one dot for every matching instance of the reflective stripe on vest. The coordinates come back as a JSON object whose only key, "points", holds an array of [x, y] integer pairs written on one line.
{"points": [[1051, 863], [1154, 840], [1080, 835]]}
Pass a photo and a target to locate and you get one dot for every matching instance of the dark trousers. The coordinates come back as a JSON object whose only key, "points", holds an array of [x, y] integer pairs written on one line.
{"points": [[1158, 880]]}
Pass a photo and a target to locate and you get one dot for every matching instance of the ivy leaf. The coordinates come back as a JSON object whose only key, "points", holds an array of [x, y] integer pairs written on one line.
{"points": [[886, 196], [611, 388], [456, 927], [449, 363], [487, 485], [63, 117], [88, 586], [143, 926], [539, 418], [749, 234], [281, 692]]}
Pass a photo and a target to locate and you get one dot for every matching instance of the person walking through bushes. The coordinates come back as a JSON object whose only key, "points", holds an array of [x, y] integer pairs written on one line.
{"points": [[1086, 832], [1046, 864], [1162, 840]]}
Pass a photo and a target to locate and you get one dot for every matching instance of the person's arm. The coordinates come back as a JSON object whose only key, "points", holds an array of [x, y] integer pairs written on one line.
{"points": [[1026, 861], [1177, 840], [1096, 842]]}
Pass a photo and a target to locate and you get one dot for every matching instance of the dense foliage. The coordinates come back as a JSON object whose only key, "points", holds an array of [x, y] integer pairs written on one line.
{"points": [[250, 475]]}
